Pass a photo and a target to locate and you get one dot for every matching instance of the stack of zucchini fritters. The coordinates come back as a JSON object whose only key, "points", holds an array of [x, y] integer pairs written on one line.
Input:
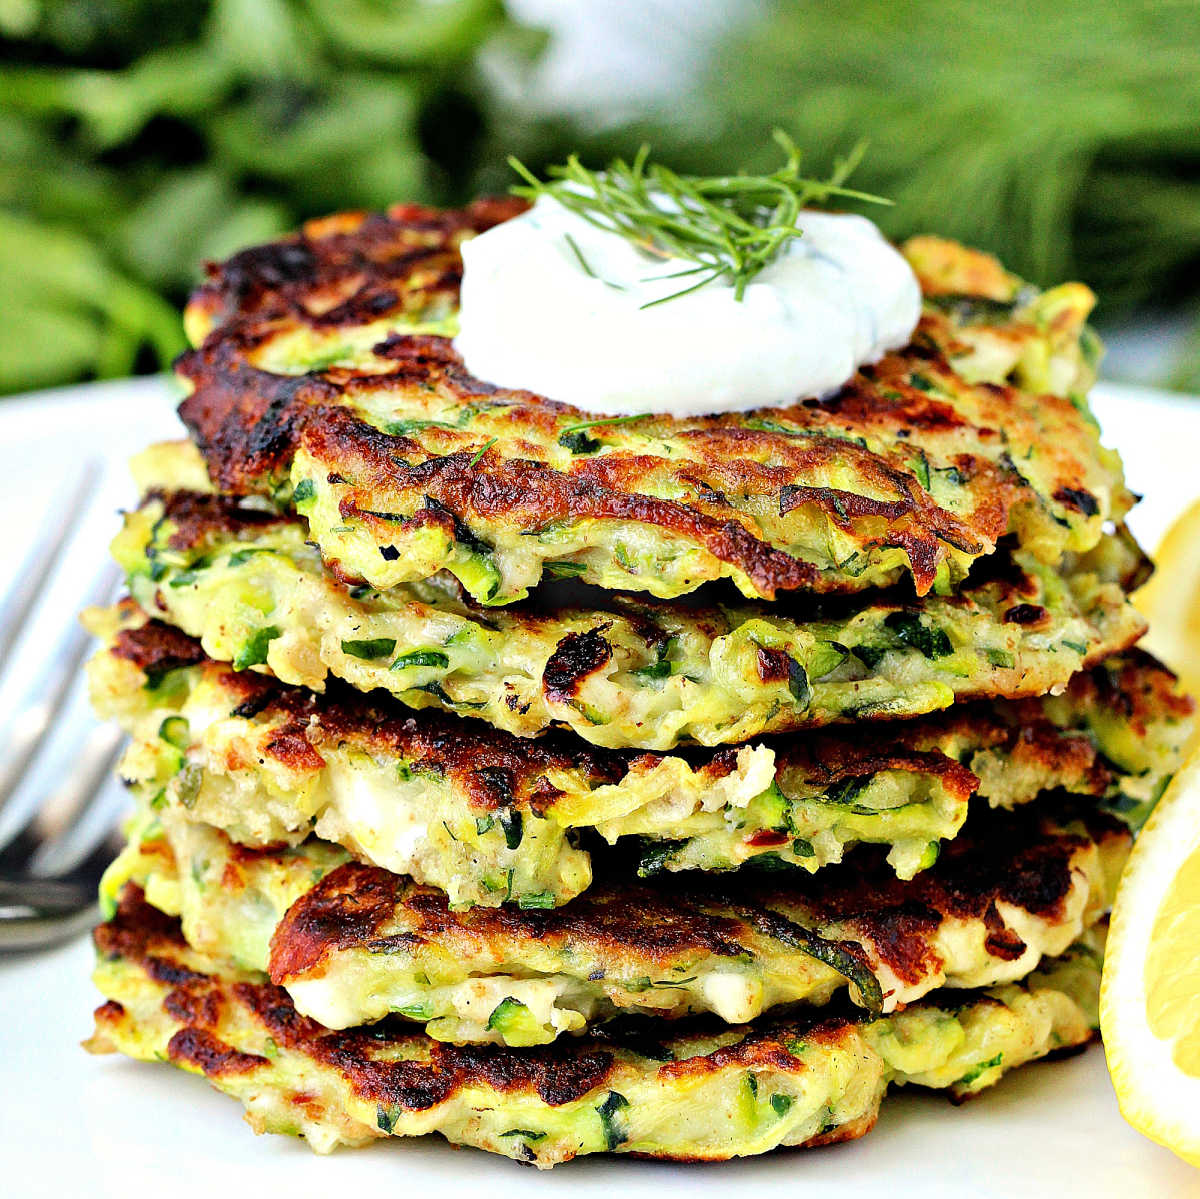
{"points": [[565, 784]]}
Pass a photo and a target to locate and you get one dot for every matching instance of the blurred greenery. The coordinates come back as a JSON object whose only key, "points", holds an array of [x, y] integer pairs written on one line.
{"points": [[139, 137], [1064, 137]]}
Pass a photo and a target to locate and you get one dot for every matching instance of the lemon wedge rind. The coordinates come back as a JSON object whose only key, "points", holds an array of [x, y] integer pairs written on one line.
{"points": [[1157, 1077]]}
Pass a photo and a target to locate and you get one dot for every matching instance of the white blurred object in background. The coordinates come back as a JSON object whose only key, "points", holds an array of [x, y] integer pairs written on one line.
{"points": [[609, 59]]}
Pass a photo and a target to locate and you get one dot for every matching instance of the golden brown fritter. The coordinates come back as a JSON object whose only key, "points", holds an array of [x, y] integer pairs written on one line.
{"points": [[325, 376], [618, 670], [352, 943], [488, 816], [685, 1093]]}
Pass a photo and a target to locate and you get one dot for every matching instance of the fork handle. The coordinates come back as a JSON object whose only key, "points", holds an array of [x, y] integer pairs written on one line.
{"points": [[35, 913]]}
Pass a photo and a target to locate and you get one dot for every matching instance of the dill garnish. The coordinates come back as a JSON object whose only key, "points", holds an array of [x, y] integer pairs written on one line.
{"points": [[729, 226]]}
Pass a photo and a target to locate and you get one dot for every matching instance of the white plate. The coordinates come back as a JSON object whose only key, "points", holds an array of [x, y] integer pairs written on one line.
{"points": [[77, 1125]]}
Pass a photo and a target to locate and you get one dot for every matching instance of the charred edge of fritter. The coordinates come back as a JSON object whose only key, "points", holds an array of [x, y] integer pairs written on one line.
{"points": [[1020, 858], [349, 906], [197, 516], [576, 657], [156, 648], [247, 421], [1024, 859], [533, 495], [368, 251], [1137, 686]]}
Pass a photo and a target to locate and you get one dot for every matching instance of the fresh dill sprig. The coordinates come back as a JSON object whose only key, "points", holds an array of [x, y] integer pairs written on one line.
{"points": [[483, 449], [730, 226]]}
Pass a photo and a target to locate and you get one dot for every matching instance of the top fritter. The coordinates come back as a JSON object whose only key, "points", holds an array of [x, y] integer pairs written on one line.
{"points": [[325, 377]]}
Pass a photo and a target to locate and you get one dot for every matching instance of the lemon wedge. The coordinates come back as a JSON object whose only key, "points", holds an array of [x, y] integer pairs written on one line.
{"points": [[1170, 601], [1150, 994]]}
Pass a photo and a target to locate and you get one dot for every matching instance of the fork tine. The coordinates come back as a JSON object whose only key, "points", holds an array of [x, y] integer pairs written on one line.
{"points": [[63, 819], [35, 913], [34, 573], [40, 707]]}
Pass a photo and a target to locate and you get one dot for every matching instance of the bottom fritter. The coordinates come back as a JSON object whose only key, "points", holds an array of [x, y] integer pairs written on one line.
{"points": [[681, 1091]]}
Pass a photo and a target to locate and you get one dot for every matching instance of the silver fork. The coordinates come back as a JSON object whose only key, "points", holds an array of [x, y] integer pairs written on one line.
{"points": [[50, 865]]}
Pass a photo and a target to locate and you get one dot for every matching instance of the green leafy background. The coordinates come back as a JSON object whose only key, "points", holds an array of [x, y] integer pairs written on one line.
{"points": [[139, 137]]}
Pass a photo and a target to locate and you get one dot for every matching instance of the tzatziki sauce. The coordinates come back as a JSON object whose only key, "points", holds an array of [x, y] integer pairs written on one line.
{"points": [[553, 304]]}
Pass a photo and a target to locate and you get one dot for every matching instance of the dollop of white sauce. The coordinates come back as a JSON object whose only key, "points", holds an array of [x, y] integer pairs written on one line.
{"points": [[552, 304]]}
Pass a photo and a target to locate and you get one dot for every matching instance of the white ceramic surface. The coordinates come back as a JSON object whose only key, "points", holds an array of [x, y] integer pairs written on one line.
{"points": [[73, 1125]]}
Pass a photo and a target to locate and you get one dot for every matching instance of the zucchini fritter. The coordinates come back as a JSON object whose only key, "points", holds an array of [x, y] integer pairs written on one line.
{"points": [[490, 817], [353, 944], [617, 670], [327, 379], [667, 1091]]}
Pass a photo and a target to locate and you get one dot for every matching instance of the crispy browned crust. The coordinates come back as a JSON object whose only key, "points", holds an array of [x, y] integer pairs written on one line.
{"points": [[1024, 859], [156, 648], [139, 934], [198, 516], [142, 935], [249, 422], [1014, 858], [351, 905], [1135, 685], [355, 269], [333, 270]]}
